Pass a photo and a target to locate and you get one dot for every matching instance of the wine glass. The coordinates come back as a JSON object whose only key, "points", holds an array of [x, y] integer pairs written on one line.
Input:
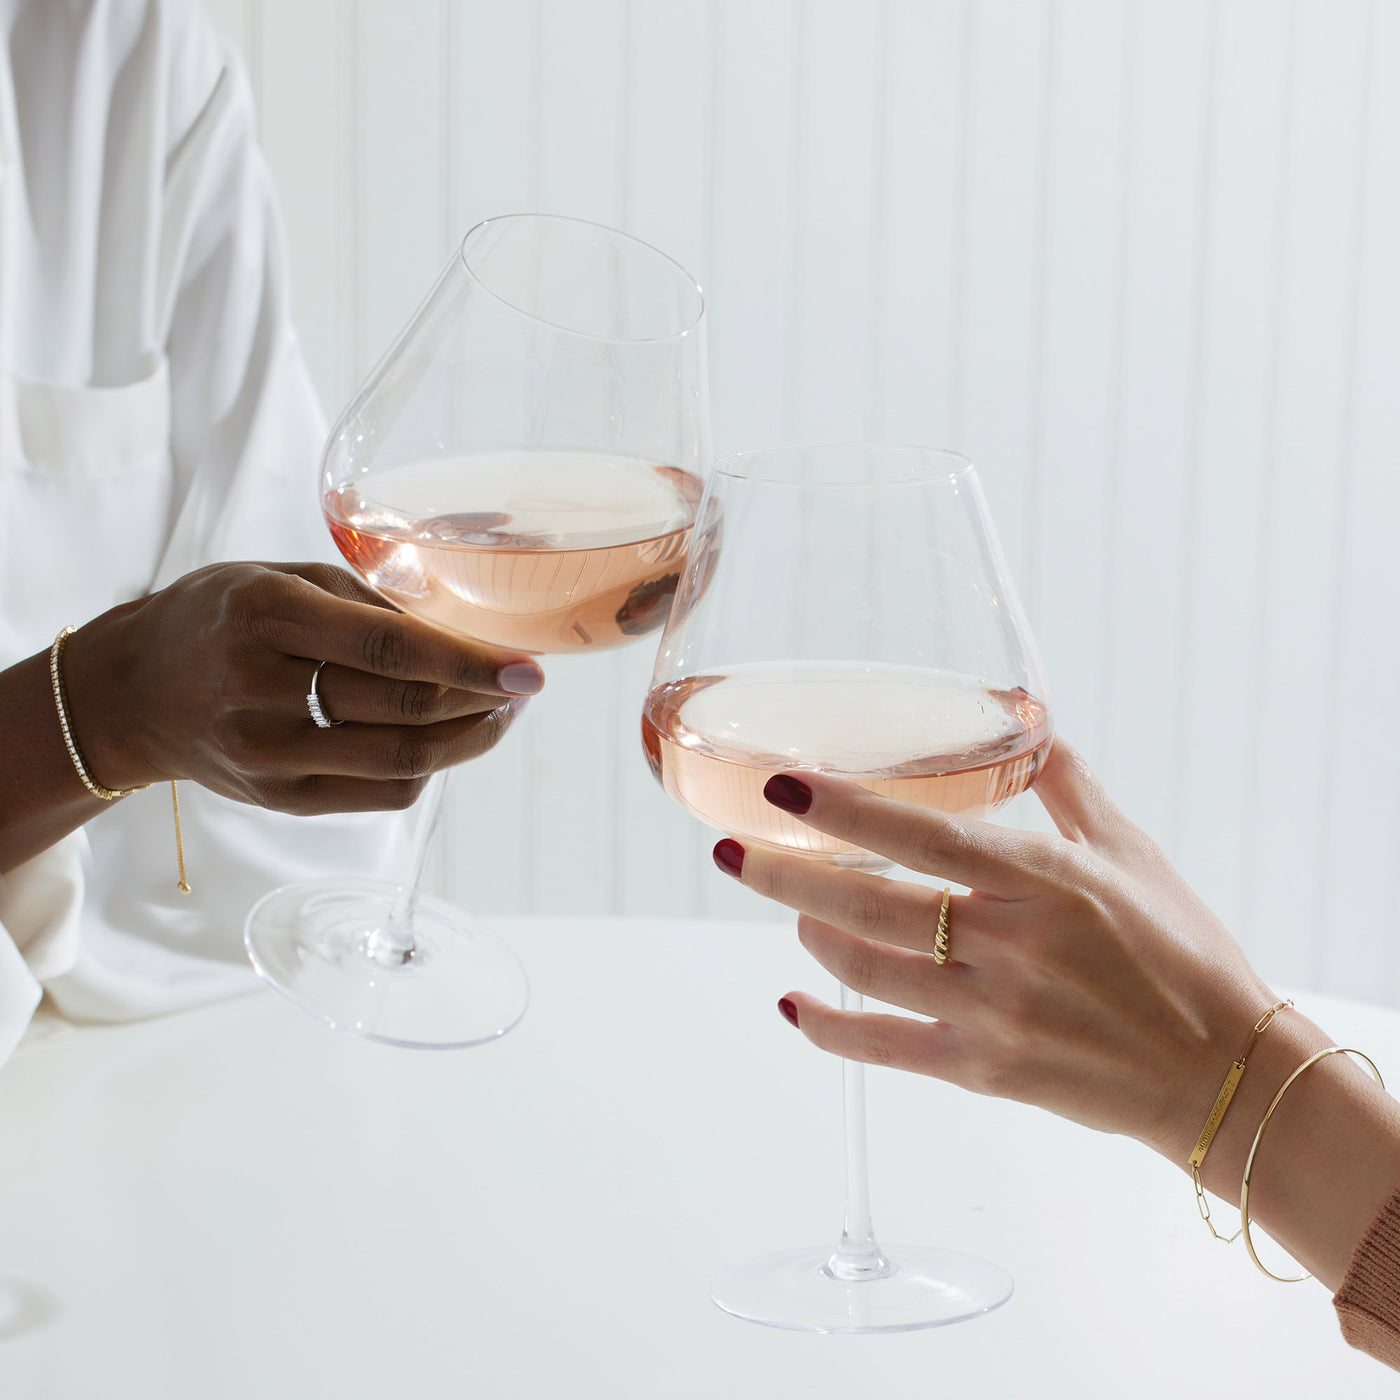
{"points": [[846, 610], [523, 468]]}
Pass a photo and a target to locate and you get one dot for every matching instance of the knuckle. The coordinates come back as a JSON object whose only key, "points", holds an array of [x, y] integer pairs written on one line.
{"points": [[997, 1074], [330, 579], [471, 673], [873, 1045], [410, 757], [867, 912], [1085, 907], [383, 649], [488, 731], [254, 603], [257, 590], [401, 794], [860, 966], [945, 841], [241, 741], [418, 703], [297, 796], [239, 689], [1083, 888]]}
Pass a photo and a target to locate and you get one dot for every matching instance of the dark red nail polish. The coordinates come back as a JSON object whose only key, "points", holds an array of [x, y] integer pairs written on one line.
{"points": [[729, 856], [789, 1009], [791, 794]]}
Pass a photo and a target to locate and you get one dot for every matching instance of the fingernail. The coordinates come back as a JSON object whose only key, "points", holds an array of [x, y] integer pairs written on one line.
{"points": [[520, 678], [729, 856], [789, 1009], [518, 703], [791, 794]]}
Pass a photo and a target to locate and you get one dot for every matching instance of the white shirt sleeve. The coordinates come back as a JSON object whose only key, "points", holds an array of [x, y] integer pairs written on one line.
{"points": [[189, 338]]}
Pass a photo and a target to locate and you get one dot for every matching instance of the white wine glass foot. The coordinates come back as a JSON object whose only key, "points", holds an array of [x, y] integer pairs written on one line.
{"points": [[386, 961], [917, 1287], [321, 943]]}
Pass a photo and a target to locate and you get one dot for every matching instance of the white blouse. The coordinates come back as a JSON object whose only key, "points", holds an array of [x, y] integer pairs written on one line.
{"points": [[155, 415]]}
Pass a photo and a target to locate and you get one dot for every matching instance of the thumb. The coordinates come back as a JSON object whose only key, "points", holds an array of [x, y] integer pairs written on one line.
{"points": [[1075, 799]]}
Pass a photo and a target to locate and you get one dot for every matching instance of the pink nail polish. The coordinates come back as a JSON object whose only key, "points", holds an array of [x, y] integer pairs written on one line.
{"points": [[729, 856], [520, 678]]}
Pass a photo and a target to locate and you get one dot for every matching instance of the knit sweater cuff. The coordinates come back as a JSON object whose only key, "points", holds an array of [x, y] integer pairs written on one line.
{"points": [[1368, 1302]]}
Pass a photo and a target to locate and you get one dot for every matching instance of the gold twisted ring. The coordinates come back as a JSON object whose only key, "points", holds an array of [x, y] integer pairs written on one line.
{"points": [[940, 939], [318, 710]]}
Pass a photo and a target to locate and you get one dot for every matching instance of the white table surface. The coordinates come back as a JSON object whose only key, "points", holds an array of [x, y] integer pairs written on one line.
{"points": [[236, 1202]]}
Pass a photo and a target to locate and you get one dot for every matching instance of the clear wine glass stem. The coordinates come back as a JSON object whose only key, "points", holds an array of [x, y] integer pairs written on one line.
{"points": [[858, 1256], [392, 943]]}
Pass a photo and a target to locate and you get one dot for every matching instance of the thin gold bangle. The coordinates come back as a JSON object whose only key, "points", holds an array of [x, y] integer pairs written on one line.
{"points": [[1259, 1137]]}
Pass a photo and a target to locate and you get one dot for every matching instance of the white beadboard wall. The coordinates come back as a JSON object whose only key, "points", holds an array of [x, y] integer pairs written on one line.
{"points": [[1137, 257]]}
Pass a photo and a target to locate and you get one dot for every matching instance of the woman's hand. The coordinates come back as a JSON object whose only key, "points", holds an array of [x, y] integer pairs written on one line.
{"points": [[208, 679], [1085, 976]]}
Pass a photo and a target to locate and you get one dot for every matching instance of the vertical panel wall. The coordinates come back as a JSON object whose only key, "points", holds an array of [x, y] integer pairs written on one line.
{"points": [[1135, 257]]}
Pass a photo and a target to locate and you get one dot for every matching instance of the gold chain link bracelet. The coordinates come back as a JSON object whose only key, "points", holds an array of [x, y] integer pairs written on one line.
{"points": [[1217, 1117]]}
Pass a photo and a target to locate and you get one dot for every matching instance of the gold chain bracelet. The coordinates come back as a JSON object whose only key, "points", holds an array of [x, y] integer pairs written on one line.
{"points": [[60, 700], [1217, 1117]]}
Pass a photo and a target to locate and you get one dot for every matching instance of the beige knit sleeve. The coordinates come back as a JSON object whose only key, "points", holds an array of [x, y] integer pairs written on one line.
{"points": [[1368, 1302]]}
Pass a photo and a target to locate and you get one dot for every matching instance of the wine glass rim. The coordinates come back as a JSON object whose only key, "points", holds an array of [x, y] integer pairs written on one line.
{"points": [[735, 464], [526, 216]]}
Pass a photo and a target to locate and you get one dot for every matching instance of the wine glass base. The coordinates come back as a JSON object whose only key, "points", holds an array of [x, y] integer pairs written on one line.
{"points": [[461, 986], [925, 1288]]}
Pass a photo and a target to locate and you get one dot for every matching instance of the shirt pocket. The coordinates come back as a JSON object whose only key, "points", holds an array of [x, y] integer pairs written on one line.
{"points": [[86, 488], [90, 431]]}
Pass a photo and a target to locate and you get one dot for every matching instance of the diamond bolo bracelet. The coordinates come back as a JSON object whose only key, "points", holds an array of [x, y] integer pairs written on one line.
{"points": [[65, 723]]}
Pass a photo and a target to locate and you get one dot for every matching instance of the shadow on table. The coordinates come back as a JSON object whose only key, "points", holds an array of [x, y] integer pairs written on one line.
{"points": [[24, 1309]]}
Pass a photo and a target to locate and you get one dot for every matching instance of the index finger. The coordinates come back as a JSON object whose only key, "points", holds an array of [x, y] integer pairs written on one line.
{"points": [[960, 850], [311, 622]]}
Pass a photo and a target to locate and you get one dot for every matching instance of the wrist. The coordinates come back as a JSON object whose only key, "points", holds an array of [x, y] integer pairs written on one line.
{"points": [[104, 713], [1328, 1164], [1290, 1039]]}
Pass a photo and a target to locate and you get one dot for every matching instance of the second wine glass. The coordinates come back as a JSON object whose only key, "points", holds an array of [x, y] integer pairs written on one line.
{"points": [[522, 468], [846, 610]]}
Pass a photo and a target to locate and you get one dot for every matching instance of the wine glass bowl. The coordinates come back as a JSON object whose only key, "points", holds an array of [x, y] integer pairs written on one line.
{"points": [[522, 468], [575, 551], [846, 610], [525, 466]]}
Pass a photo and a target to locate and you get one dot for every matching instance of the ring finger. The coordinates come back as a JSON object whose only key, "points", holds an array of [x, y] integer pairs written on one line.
{"points": [[895, 976], [873, 906], [364, 698], [395, 752]]}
